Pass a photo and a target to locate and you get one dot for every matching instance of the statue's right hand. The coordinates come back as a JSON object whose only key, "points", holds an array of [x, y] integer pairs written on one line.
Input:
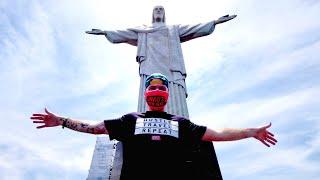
{"points": [[225, 19], [96, 32]]}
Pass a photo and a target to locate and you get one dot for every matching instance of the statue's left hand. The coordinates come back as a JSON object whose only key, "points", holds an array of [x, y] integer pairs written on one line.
{"points": [[224, 19]]}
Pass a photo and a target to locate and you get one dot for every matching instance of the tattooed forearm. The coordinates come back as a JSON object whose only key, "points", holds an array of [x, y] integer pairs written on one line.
{"points": [[90, 130], [84, 127]]}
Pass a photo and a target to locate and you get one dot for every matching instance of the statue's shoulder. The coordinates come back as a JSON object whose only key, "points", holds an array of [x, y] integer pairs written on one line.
{"points": [[141, 28], [150, 28]]}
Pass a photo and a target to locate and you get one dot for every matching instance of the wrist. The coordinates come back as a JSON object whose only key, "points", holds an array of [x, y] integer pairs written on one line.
{"points": [[250, 132], [60, 121], [63, 121]]}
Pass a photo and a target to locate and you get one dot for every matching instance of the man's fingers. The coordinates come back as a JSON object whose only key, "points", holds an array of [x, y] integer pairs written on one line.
{"points": [[39, 127], [267, 126], [264, 143], [46, 110], [269, 133], [271, 142], [272, 138], [38, 121], [37, 117], [38, 114]]}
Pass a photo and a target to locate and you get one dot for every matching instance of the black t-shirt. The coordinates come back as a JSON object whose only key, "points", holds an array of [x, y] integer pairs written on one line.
{"points": [[156, 145]]}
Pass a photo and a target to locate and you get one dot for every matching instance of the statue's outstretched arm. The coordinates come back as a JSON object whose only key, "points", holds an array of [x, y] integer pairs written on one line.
{"points": [[224, 19], [118, 36], [96, 32]]}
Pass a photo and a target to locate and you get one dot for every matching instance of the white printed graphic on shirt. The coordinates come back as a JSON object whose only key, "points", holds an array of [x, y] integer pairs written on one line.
{"points": [[157, 126]]}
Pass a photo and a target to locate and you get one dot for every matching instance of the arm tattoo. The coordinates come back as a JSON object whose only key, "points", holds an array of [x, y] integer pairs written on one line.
{"points": [[85, 127]]}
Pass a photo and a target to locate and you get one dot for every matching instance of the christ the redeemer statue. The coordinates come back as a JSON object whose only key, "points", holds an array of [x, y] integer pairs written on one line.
{"points": [[159, 51]]}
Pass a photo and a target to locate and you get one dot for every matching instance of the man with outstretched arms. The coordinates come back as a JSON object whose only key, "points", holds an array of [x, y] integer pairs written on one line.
{"points": [[157, 145]]}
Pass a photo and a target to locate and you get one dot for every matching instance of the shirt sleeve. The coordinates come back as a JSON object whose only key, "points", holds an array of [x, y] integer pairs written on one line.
{"points": [[191, 131], [120, 128]]}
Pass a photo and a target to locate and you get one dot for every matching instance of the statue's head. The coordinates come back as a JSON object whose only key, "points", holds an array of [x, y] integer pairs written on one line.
{"points": [[157, 92], [158, 14]]}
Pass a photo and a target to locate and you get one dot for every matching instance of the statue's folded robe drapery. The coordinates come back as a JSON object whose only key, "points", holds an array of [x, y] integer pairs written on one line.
{"points": [[159, 48]]}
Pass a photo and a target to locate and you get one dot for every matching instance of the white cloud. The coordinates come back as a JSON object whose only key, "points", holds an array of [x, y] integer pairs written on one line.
{"points": [[236, 80], [256, 110], [22, 157]]}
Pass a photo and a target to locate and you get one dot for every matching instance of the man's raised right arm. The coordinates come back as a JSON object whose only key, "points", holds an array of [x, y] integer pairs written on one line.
{"points": [[51, 120]]}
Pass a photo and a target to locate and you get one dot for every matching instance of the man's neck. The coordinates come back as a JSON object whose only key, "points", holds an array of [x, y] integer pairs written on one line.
{"points": [[157, 110]]}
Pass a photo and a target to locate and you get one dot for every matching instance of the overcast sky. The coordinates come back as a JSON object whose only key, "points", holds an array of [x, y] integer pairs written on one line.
{"points": [[261, 67]]}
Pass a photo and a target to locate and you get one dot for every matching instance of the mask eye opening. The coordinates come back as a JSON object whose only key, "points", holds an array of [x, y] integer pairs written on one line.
{"points": [[155, 87]]}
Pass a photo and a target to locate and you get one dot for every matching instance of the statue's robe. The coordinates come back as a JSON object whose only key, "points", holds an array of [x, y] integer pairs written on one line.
{"points": [[159, 51]]}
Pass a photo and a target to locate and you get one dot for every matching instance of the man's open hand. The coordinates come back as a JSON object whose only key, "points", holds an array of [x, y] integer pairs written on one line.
{"points": [[264, 136], [47, 120]]}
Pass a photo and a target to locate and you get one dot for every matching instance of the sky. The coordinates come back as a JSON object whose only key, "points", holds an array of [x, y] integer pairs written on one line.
{"points": [[261, 67]]}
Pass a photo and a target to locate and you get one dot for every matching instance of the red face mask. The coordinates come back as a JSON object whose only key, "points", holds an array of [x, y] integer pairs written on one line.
{"points": [[156, 97]]}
